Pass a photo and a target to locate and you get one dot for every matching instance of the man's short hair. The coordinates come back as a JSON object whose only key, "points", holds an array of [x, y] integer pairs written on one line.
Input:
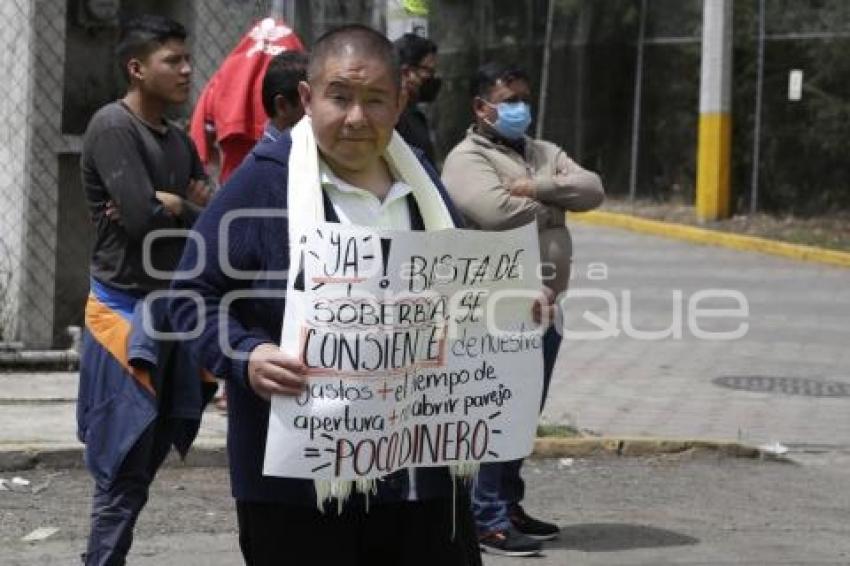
{"points": [[487, 75], [143, 35], [285, 71], [365, 41], [412, 48]]}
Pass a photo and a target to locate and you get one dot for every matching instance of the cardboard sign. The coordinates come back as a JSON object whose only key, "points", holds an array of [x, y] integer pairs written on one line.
{"points": [[421, 350]]}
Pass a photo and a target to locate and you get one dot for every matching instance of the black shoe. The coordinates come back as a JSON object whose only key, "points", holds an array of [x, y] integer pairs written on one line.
{"points": [[531, 527], [509, 542]]}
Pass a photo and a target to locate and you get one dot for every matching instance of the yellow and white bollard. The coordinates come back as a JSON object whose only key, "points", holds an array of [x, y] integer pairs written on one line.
{"points": [[715, 120]]}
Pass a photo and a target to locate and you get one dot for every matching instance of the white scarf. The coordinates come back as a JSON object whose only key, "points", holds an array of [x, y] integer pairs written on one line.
{"points": [[304, 196], [304, 188]]}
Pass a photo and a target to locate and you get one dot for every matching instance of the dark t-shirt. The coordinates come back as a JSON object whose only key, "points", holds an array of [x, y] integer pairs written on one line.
{"points": [[413, 128], [125, 160]]}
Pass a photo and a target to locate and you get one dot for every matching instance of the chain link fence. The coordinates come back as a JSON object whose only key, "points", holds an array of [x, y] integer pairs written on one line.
{"points": [[13, 111], [56, 56], [592, 106], [216, 26], [57, 59], [31, 136]]}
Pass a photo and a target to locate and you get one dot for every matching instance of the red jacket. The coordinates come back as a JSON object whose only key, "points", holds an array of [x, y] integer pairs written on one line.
{"points": [[231, 104]]}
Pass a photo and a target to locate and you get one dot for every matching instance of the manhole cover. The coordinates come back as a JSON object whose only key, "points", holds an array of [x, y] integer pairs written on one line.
{"points": [[784, 385]]}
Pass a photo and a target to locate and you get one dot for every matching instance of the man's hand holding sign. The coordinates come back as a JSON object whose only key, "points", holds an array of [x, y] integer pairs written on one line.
{"points": [[271, 372]]}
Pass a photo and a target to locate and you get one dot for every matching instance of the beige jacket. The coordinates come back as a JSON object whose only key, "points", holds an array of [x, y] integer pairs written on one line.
{"points": [[478, 172]]}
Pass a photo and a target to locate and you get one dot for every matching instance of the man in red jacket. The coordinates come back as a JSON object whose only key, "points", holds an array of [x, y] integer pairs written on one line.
{"points": [[229, 117]]}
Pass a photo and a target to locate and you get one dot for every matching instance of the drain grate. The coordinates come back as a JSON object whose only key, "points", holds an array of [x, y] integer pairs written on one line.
{"points": [[802, 386]]}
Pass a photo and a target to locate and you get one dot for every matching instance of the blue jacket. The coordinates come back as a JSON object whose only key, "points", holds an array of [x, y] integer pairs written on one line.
{"points": [[127, 379], [260, 244]]}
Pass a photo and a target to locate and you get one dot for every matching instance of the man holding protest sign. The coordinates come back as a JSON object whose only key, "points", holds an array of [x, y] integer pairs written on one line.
{"points": [[342, 164], [500, 179]]}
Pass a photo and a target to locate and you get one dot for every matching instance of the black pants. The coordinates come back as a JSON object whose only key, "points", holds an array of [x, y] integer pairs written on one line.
{"points": [[398, 534], [116, 507]]}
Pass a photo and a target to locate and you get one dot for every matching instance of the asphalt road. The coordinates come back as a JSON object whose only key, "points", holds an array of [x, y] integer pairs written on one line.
{"points": [[613, 511]]}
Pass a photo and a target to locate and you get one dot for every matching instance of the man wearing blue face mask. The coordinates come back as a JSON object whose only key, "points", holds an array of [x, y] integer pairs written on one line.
{"points": [[500, 178]]}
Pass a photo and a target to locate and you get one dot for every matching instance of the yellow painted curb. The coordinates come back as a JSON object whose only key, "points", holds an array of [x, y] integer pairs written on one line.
{"points": [[713, 237], [213, 453]]}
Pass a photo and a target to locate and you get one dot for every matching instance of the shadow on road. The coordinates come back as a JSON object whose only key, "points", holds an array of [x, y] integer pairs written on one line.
{"points": [[611, 537]]}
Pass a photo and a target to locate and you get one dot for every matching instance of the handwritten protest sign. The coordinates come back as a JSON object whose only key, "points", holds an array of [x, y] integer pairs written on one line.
{"points": [[420, 348]]}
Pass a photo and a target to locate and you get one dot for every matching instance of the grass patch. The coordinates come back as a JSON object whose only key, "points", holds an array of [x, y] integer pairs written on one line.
{"points": [[557, 431], [830, 231]]}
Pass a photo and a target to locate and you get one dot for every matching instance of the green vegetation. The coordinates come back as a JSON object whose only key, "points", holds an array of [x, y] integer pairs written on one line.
{"points": [[557, 431]]}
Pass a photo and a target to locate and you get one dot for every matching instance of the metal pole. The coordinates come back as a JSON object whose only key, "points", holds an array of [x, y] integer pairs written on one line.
{"points": [[544, 72], [580, 47], [714, 147], [637, 103], [277, 10], [283, 9], [754, 189], [289, 13], [379, 15]]}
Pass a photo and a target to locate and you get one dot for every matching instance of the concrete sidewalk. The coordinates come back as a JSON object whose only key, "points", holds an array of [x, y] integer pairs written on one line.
{"points": [[38, 413], [786, 380]]}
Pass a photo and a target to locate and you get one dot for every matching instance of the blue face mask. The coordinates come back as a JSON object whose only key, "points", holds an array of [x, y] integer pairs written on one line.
{"points": [[514, 119]]}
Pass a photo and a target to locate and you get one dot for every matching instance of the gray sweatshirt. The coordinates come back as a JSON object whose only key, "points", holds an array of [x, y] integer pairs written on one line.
{"points": [[126, 160], [478, 173]]}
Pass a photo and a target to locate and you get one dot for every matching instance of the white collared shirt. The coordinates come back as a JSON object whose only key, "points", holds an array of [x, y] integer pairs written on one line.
{"points": [[354, 205]]}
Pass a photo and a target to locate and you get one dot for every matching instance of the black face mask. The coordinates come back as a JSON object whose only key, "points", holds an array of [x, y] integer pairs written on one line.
{"points": [[428, 89]]}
